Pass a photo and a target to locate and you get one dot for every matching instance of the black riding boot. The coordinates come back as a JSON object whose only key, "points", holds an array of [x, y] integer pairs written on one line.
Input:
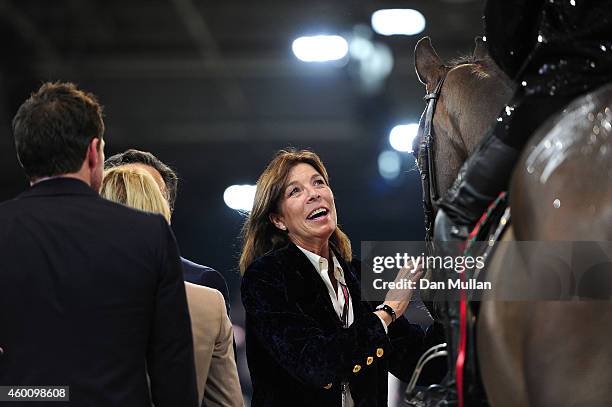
{"points": [[480, 180]]}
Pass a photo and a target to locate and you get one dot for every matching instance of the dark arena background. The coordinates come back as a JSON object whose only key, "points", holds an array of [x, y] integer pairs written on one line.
{"points": [[214, 89]]}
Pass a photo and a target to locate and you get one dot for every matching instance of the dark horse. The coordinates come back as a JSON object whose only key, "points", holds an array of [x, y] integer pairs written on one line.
{"points": [[544, 353], [556, 353]]}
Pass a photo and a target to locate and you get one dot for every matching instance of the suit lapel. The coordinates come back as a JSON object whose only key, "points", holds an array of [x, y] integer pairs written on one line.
{"points": [[307, 280]]}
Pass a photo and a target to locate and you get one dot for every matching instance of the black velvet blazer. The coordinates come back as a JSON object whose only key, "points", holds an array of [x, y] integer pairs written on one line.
{"points": [[297, 350]]}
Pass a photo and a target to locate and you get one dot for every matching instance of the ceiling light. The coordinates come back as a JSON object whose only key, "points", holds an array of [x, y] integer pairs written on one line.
{"points": [[402, 136], [398, 22], [320, 48], [240, 197]]}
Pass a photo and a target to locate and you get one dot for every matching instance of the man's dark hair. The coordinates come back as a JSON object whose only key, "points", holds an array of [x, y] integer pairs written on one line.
{"points": [[53, 128], [133, 156]]}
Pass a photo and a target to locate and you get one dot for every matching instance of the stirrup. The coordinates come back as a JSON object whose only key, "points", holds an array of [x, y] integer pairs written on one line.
{"points": [[436, 395], [430, 354]]}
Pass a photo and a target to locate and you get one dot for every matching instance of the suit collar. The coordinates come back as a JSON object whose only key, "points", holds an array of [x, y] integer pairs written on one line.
{"points": [[313, 277], [59, 186], [305, 262], [322, 265]]}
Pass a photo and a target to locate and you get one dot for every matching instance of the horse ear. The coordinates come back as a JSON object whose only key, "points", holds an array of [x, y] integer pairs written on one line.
{"points": [[427, 63], [480, 50]]}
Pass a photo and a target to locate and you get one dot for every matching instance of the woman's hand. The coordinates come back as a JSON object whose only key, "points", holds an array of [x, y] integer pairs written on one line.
{"points": [[398, 299]]}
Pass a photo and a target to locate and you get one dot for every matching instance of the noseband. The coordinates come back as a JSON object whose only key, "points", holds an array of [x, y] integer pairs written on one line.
{"points": [[424, 154]]}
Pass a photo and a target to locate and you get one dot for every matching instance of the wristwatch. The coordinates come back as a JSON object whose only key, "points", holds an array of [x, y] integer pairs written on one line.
{"points": [[388, 310]]}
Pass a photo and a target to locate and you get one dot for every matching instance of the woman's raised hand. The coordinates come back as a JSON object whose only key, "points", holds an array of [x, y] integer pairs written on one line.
{"points": [[399, 298]]}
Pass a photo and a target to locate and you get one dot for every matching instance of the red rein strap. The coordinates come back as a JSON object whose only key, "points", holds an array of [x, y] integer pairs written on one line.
{"points": [[485, 216], [462, 345], [463, 307]]}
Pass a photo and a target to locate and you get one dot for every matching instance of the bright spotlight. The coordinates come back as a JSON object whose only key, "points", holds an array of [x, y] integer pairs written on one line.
{"points": [[398, 22], [389, 164], [240, 197], [320, 48], [402, 136]]}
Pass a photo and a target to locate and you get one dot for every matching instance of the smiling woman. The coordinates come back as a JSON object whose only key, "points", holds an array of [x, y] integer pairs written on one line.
{"points": [[307, 211], [260, 232], [310, 338]]}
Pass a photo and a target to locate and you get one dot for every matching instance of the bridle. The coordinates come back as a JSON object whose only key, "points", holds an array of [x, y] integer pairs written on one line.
{"points": [[424, 143], [423, 151]]}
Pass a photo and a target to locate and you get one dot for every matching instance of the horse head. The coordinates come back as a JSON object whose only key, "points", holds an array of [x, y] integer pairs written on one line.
{"points": [[473, 92]]}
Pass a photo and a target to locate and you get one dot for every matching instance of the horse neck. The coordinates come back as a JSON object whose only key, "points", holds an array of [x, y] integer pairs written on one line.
{"points": [[471, 98]]}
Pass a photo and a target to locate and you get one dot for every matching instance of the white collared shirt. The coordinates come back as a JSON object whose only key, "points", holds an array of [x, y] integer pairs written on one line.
{"points": [[322, 265]]}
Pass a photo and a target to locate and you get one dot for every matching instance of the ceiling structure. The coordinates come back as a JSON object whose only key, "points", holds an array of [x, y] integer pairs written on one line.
{"points": [[213, 89]]}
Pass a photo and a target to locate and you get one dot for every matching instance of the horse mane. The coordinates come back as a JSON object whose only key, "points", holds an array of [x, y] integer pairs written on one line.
{"points": [[482, 80], [462, 60], [481, 66]]}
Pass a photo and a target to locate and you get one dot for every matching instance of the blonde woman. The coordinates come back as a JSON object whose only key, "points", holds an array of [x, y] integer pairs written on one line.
{"points": [[215, 365]]}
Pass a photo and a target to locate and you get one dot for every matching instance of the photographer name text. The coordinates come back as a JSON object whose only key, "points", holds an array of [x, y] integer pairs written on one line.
{"points": [[425, 284]]}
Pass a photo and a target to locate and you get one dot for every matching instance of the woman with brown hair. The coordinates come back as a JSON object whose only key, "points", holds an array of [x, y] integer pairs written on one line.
{"points": [[311, 341]]}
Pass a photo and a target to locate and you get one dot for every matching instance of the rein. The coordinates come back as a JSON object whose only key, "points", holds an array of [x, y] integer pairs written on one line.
{"points": [[425, 140]]}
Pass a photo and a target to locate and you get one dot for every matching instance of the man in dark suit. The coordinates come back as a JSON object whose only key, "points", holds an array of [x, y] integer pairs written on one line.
{"points": [[167, 181], [91, 292]]}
